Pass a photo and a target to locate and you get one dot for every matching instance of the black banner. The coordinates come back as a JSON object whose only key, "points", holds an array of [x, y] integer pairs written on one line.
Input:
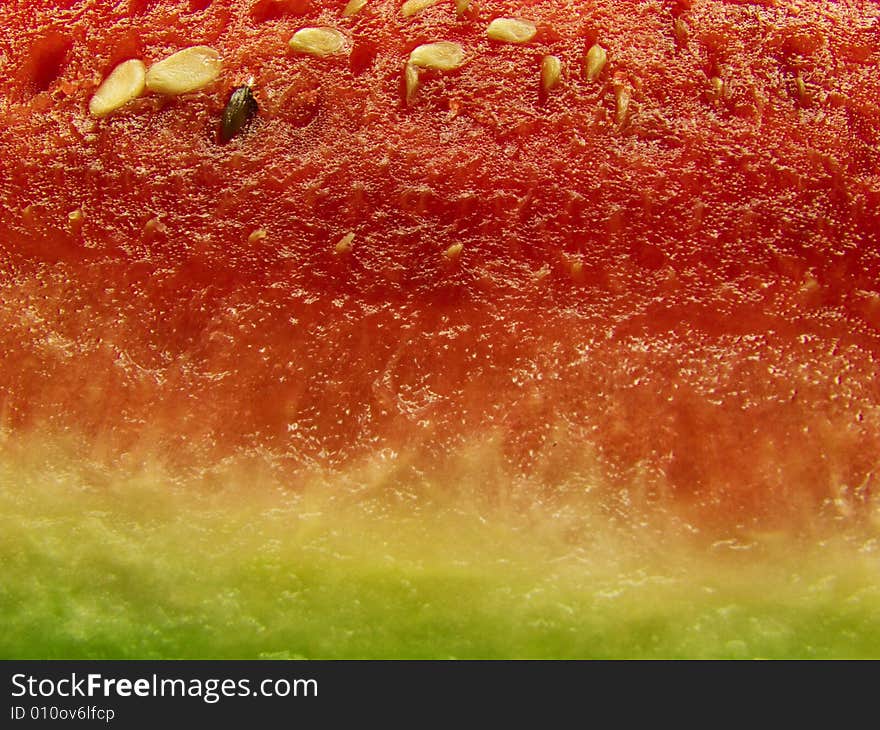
{"points": [[287, 693]]}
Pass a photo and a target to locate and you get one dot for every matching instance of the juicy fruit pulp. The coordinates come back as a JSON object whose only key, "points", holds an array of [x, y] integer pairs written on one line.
{"points": [[660, 331]]}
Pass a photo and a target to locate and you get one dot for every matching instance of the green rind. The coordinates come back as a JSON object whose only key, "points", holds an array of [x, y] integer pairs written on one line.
{"points": [[127, 564]]}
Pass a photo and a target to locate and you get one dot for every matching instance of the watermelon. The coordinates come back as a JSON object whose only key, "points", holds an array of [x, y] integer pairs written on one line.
{"points": [[439, 329]]}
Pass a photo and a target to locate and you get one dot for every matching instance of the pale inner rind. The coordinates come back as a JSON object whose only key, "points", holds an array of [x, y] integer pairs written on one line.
{"points": [[188, 70], [318, 41], [124, 83], [511, 30]]}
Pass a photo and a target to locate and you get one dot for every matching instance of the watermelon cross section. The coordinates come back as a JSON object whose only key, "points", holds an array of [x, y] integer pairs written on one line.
{"points": [[439, 329]]}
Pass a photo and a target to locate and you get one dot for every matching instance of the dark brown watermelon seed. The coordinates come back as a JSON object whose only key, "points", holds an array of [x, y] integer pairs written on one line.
{"points": [[240, 109]]}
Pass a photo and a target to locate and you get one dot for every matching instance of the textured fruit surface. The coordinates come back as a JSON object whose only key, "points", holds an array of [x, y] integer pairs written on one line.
{"points": [[465, 367]]}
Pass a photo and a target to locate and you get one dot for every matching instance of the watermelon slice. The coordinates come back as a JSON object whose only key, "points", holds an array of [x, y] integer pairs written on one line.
{"points": [[437, 329]]}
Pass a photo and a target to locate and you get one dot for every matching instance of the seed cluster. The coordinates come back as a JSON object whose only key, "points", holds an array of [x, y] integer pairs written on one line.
{"points": [[411, 7], [440, 56], [595, 66], [126, 82], [197, 67], [551, 73], [183, 72], [188, 70], [318, 41], [345, 243], [511, 30], [597, 57], [353, 7]]}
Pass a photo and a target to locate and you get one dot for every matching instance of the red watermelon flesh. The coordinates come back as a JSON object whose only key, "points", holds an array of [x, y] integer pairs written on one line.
{"points": [[670, 304]]}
